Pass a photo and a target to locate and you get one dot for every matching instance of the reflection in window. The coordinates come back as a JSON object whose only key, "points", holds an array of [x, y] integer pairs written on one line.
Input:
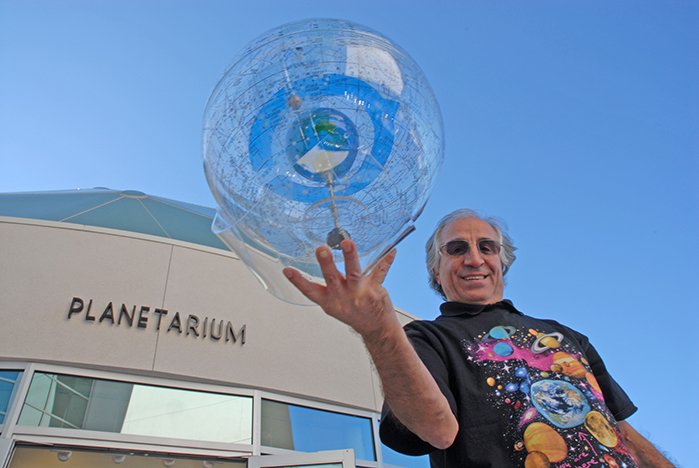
{"points": [[311, 430], [181, 414], [392, 457], [27, 456], [8, 380], [66, 401]]}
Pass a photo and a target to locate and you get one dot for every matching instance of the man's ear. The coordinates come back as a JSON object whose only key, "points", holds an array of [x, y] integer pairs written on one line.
{"points": [[436, 276]]}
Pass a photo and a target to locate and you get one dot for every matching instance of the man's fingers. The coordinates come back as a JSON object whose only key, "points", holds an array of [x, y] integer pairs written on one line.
{"points": [[381, 270], [353, 269], [333, 277], [337, 284], [311, 290]]}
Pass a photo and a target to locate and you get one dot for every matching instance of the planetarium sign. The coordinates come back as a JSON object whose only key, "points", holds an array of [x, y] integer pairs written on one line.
{"points": [[147, 317]]}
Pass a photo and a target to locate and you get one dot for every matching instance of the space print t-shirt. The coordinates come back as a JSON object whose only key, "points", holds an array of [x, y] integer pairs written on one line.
{"points": [[524, 390]]}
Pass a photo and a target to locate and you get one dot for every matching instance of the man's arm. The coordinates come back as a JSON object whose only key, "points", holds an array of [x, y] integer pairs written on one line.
{"points": [[364, 304], [642, 450]]}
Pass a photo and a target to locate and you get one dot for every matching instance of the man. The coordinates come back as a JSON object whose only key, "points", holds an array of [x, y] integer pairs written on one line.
{"points": [[482, 385]]}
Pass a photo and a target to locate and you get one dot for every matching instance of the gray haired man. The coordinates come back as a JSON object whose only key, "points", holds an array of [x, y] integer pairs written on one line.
{"points": [[483, 385]]}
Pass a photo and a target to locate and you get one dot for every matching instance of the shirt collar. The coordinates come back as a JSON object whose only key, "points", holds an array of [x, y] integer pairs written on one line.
{"points": [[452, 309]]}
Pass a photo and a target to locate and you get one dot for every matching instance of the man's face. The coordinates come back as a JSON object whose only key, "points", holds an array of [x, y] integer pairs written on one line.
{"points": [[473, 278]]}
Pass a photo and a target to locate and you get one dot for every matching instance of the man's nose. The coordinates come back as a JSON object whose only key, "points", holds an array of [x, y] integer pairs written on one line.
{"points": [[473, 257]]}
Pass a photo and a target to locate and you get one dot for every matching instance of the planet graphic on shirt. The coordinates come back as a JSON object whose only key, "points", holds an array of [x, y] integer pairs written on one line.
{"points": [[567, 364], [540, 437], [537, 460], [503, 349], [501, 332], [600, 428], [546, 342], [610, 461], [593, 382], [560, 402]]}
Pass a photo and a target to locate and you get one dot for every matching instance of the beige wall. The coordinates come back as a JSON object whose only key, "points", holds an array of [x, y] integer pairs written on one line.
{"points": [[290, 349]]}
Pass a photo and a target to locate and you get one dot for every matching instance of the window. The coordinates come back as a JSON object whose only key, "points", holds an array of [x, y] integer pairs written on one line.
{"points": [[391, 457], [30, 457], [304, 429], [56, 400], [8, 380], [210, 417]]}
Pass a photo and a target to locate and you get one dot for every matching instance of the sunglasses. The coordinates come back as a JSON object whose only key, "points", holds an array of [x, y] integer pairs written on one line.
{"points": [[459, 248]]}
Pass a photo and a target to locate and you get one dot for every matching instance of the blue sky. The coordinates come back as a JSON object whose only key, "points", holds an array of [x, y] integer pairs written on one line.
{"points": [[576, 122]]}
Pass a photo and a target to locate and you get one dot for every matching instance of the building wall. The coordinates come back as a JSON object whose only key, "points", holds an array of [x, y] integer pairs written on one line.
{"points": [[290, 349]]}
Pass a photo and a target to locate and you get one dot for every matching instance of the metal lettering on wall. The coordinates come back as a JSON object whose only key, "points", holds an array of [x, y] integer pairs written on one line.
{"points": [[192, 325]]}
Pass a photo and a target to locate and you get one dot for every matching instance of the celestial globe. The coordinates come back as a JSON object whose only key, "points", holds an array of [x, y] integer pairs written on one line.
{"points": [[321, 130]]}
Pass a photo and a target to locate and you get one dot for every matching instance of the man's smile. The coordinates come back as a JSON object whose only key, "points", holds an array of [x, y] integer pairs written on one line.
{"points": [[474, 277]]}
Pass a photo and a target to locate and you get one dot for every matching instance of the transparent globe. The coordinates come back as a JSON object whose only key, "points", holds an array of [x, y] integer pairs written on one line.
{"points": [[321, 130]]}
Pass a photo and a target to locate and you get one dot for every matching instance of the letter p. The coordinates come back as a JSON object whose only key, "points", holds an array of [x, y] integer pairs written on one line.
{"points": [[76, 306]]}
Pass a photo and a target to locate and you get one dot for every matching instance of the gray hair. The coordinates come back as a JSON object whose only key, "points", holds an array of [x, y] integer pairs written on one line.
{"points": [[507, 252]]}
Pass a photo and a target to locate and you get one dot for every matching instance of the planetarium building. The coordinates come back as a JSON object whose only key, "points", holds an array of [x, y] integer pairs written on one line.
{"points": [[131, 335]]}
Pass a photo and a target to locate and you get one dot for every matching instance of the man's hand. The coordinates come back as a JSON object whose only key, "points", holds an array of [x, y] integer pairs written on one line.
{"points": [[357, 300], [362, 302]]}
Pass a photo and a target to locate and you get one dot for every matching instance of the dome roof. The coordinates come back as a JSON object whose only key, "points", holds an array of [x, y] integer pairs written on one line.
{"points": [[126, 210]]}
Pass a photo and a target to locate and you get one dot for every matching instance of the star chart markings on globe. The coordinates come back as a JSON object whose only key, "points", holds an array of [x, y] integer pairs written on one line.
{"points": [[291, 71]]}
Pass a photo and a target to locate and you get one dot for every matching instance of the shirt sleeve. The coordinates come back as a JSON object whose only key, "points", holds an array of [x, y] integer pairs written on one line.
{"points": [[392, 432], [616, 399]]}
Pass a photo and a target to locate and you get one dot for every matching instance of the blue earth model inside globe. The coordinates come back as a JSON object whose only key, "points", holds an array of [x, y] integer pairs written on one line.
{"points": [[321, 130]]}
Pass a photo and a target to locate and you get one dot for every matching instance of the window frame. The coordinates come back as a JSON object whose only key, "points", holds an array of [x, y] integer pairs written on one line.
{"points": [[300, 459], [14, 394], [94, 439], [24, 434], [329, 407]]}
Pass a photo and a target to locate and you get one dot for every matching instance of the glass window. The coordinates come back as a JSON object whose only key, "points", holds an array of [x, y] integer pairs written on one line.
{"points": [[392, 457], [31, 457], [67, 401], [311, 430], [8, 380]]}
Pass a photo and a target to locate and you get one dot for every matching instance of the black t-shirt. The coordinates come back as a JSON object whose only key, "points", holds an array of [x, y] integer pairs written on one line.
{"points": [[520, 388]]}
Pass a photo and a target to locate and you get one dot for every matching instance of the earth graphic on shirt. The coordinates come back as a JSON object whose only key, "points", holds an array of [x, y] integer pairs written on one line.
{"points": [[560, 402]]}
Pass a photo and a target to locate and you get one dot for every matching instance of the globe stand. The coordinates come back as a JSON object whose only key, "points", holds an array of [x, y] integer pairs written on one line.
{"points": [[338, 234], [323, 223]]}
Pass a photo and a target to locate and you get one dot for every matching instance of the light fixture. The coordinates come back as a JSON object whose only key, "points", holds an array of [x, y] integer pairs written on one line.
{"points": [[118, 459], [207, 464], [64, 455], [168, 462]]}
